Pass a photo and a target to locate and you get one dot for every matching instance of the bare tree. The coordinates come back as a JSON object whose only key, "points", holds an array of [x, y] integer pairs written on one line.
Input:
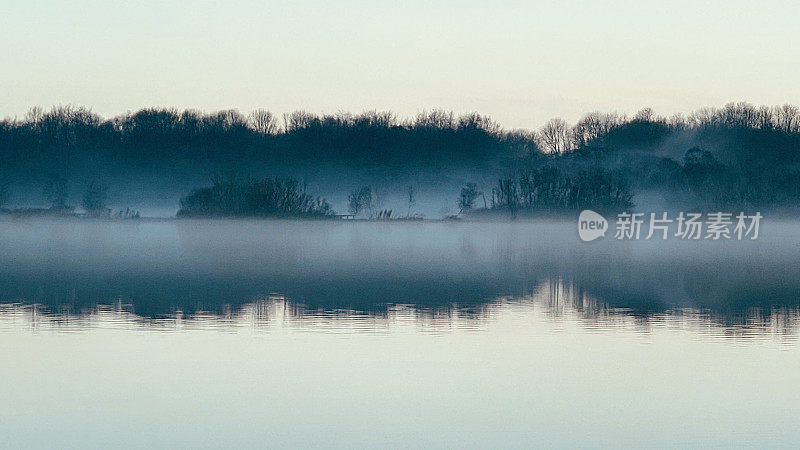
{"points": [[555, 136], [230, 118], [56, 192], [703, 116], [412, 199], [299, 120], [94, 198], [467, 197], [475, 121], [378, 119], [361, 200], [34, 116], [764, 119], [263, 122], [740, 114], [787, 118], [594, 125], [644, 115], [436, 118]]}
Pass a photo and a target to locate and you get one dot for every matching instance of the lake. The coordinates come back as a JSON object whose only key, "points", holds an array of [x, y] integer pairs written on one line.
{"points": [[208, 334]]}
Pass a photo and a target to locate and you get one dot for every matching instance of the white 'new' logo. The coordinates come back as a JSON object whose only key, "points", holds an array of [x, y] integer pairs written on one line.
{"points": [[591, 225]]}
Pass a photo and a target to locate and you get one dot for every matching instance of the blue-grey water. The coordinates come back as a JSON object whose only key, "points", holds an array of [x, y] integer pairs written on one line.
{"points": [[210, 334]]}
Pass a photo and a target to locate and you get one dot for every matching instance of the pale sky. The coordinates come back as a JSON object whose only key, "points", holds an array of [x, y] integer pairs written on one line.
{"points": [[519, 62]]}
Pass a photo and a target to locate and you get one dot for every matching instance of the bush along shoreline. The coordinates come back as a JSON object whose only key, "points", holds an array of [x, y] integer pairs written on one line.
{"points": [[269, 197]]}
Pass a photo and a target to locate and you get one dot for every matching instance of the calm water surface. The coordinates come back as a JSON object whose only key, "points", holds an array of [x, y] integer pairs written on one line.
{"points": [[252, 334]]}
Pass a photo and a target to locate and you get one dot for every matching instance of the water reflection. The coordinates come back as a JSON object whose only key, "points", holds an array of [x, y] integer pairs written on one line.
{"points": [[377, 277], [552, 301], [251, 333]]}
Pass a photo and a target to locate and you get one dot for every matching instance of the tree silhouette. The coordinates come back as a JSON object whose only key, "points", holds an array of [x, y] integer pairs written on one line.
{"points": [[56, 192], [555, 136], [467, 197], [361, 200], [94, 198]]}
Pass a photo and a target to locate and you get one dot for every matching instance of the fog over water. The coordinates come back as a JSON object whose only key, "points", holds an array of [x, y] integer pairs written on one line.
{"points": [[158, 268], [247, 333]]}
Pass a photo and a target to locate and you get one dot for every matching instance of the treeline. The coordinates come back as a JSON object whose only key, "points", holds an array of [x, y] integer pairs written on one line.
{"points": [[645, 127], [736, 155], [158, 136], [153, 135]]}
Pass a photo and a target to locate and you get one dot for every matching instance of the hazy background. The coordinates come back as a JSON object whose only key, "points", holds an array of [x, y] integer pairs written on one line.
{"points": [[519, 62]]}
